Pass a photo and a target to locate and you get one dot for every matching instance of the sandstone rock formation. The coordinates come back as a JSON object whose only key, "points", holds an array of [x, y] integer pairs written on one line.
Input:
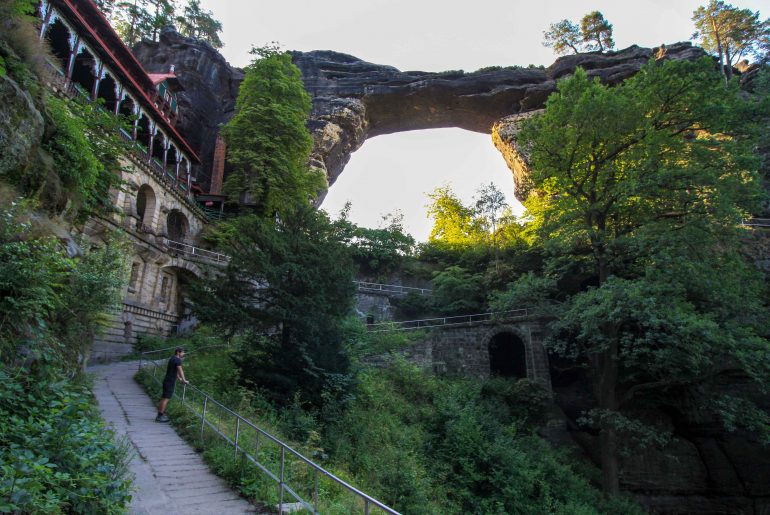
{"points": [[210, 89], [354, 100], [21, 127]]}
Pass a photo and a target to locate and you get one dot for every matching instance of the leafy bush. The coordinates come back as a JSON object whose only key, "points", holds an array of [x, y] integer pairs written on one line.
{"points": [[57, 456]]}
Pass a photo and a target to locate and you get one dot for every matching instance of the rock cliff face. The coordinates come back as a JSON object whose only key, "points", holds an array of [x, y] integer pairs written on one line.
{"points": [[354, 100], [210, 89]]}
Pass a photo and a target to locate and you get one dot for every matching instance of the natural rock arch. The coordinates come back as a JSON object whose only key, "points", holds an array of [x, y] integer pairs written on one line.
{"points": [[354, 100]]}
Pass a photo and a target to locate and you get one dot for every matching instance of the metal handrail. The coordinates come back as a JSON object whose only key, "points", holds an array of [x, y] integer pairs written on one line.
{"points": [[279, 478], [390, 288], [191, 250], [756, 222], [427, 323]]}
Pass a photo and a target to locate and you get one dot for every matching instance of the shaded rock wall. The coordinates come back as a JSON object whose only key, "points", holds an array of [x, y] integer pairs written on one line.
{"points": [[210, 89]]}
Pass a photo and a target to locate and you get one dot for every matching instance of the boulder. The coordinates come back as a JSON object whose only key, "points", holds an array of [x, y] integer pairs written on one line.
{"points": [[21, 128]]}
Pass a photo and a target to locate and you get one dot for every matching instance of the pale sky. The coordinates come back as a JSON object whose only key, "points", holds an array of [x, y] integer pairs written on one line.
{"points": [[394, 172]]}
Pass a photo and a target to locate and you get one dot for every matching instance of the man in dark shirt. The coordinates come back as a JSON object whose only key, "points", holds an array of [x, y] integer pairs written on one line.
{"points": [[173, 371]]}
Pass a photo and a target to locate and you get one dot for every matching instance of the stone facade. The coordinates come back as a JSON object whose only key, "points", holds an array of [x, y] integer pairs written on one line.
{"points": [[159, 221]]}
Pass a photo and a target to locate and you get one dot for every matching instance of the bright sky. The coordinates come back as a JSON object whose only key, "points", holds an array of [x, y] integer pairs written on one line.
{"points": [[394, 172]]}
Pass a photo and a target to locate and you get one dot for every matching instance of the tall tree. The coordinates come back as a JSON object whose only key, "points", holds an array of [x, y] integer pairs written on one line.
{"points": [[640, 188], [200, 24], [730, 32], [563, 36], [267, 140], [135, 20], [289, 276]]}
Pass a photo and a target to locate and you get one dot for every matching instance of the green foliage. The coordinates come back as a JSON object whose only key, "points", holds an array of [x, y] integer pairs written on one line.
{"points": [[57, 456], [268, 145], [200, 24], [641, 188], [135, 20], [378, 252], [456, 446], [52, 304], [730, 32], [290, 276], [457, 291], [84, 147], [593, 34]]}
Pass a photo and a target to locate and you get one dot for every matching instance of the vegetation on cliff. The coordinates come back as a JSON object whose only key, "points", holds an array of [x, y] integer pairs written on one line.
{"points": [[57, 456]]}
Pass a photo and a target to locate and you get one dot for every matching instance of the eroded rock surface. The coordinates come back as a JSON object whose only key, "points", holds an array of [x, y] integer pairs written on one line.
{"points": [[210, 89], [21, 127], [354, 100]]}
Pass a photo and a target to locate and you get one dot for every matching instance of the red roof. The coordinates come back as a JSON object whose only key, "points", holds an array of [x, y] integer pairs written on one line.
{"points": [[157, 78], [97, 29]]}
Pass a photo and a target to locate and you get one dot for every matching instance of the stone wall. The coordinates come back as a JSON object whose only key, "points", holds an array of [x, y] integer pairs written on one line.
{"points": [[464, 350]]}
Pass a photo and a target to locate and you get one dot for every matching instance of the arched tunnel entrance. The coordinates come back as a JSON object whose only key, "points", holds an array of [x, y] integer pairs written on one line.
{"points": [[507, 356]]}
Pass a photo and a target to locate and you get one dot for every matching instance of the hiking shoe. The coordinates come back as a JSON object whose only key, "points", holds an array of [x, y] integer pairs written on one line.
{"points": [[161, 418]]}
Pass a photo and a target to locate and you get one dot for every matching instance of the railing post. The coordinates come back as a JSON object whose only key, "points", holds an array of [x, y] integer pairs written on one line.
{"points": [[283, 459], [184, 391], [315, 492], [237, 432], [203, 416], [366, 506]]}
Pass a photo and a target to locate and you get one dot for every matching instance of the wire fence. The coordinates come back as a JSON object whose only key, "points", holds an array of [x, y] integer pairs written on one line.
{"points": [[299, 480]]}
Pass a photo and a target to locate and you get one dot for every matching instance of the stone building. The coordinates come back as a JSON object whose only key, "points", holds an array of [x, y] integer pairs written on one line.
{"points": [[156, 208]]}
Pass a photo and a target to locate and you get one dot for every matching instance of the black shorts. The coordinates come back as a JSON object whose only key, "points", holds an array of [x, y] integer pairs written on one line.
{"points": [[168, 389]]}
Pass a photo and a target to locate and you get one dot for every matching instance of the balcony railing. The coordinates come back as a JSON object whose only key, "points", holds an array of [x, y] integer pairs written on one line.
{"points": [[389, 288], [428, 323], [192, 251]]}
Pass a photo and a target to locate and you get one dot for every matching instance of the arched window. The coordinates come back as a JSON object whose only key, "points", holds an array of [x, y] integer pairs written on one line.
{"points": [[507, 356], [177, 225], [145, 207], [143, 135], [108, 92], [58, 36], [83, 72]]}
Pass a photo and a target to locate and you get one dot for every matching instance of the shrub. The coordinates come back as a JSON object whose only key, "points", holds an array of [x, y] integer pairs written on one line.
{"points": [[57, 456]]}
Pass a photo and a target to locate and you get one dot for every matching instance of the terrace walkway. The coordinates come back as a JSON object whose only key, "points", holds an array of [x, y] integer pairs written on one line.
{"points": [[171, 478]]}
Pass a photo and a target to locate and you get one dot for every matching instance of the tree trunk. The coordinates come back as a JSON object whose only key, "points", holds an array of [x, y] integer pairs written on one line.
{"points": [[607, 402], [605, 368], [719, 49]]}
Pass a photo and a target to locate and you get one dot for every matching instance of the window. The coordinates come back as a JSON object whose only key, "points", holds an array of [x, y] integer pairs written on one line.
{"points": [[165, 287], [132, 281]]}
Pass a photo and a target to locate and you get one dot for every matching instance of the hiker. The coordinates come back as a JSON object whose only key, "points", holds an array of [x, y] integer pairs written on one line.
{"points": [[173, 371]]}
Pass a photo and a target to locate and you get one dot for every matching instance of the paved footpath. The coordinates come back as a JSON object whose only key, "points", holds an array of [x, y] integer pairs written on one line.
{"points": [[171, 478]]}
